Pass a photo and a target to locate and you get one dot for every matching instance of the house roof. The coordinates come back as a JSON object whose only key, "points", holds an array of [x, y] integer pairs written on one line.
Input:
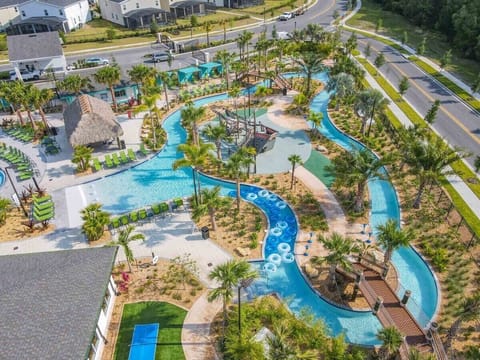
{"points": [[89, 120], [9, 3], [50, 302], [34, 46], [143, 12], [58, 3], [187, 3]]}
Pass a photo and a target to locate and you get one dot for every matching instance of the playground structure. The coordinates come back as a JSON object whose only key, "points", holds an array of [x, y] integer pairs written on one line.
{"points": [[279, 81]]}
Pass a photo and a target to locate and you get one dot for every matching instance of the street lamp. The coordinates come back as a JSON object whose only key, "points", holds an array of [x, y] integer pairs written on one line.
{"points": [[244, 283], [194, 173], [15, 190]]}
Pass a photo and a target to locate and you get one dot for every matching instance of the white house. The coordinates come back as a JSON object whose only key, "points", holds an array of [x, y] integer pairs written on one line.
{"points": [[135, 13], [72, 14]]}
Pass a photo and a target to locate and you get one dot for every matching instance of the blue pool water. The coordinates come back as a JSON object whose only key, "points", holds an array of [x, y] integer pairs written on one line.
{"points": [[2, 177], [155, 180], [144, 342]]}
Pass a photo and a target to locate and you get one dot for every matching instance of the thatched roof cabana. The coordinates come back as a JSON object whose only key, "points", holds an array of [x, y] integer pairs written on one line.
{"points": [[90, 120]]}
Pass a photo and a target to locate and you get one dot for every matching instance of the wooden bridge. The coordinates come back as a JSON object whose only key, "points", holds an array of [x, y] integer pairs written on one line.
{"points": [[278, 80]]}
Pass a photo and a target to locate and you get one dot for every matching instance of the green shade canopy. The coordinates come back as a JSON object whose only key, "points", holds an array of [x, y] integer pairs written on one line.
{"points": [[186, 74], [207, 68]]}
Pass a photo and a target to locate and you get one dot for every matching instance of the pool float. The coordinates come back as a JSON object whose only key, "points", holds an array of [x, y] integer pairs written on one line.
{"points": [[275, 259], [272, 197], [282, 224], [283, 248], [251, 196], [281, 204], [288, 258], [263, 193], [270, 267], [276, 231]]}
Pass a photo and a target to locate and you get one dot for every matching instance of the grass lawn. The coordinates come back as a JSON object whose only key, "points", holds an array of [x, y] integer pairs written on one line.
{"points": [[316, 165], [170, 319], [394, 26], [257, 11]]}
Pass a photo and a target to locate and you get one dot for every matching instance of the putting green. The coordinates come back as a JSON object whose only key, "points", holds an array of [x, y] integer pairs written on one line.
{"points": [[316, 164]]}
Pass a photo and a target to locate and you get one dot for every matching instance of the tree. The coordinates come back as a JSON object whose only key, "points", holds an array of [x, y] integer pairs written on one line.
{"points": [[94, 221], [343, 85], [379, 24], [142, 74], [164, 78], [81, 157], [217, 134], [391, 237], [150, 105], [110, 76], [235, 93], [368, 49], [234, 168], [294, 161], [469, 311], [242, 346], [310, 63], [472, 353], [223, 24], [274, 32], [391, 340], [154, 27], [379, 60], [207, 26], [74, 84], [355, 169], [193, 21], [180, 269], [316, 119], [190, 116], [403, 86], [124, 238], [225, 58], [339, 248], [5, 205], [476, 85], [422, 47], [476, 163], [211, 202], [279, 347], [369, 103], [431, 114], [351, 43], [26, 101], [446, 59], [14, 93], [111, 34], [39, 99], [228, 275], [404, 38]]}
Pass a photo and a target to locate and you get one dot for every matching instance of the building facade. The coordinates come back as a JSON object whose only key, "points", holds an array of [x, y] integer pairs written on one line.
{"points": [[122, 11], [9, 13]]}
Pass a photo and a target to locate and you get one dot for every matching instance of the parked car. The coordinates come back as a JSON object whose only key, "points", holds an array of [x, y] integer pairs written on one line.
{"points": [[284, 35], [26, 75], [286, 16], [300, 11], [162, 56], [96, 61]]}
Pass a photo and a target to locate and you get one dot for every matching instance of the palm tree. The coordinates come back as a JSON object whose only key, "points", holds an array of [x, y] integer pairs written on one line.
{"points": [[5, 205], [211, 202], [391, 340], [74, 84], [124, 238], [110, 76], [207, 27], [195, 157], [339, 248], [190, 116], [391, 237], [355, 169], [309, 63], [345, 64], [225, 58], [313, 32], [279, 347], [247, 156], [234, 168], [469, 311], [472, 353], [94, 221], [27, 100], [217, 134], [39, 99], [242, 346], [316, 119], [82, 156], [142, 74], [14, 93], [235, 93], [150, 105], [344, 86], [228, 275], [164, 78], [369, 103], [429, 162], [246, 37], [294, 160]]}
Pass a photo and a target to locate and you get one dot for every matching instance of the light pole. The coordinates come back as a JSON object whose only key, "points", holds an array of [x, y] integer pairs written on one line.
{"points": [[16, 192], [194, 173], [244, 283]]}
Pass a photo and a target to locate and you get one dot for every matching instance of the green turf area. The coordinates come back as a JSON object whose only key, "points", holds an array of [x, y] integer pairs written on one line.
{"points": [[395, 25], [316, 165], [258, 112], [170, 319]]}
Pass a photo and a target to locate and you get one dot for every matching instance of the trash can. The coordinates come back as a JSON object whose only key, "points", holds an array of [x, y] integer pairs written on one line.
{"points": [[205, 233], [122, 144], [284, 91]]}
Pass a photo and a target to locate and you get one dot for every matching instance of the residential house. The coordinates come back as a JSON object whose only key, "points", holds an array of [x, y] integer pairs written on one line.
{"points": [[135, 13], [9, 12], [50, 15], [187, 8], [56, 305]]}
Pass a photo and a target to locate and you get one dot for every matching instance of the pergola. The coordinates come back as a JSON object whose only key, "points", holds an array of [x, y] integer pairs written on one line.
{"points": [[207, 68], [187, 74]]}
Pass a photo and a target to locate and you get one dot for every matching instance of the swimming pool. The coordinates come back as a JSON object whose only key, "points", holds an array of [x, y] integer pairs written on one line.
{"points": [[2, 177]]}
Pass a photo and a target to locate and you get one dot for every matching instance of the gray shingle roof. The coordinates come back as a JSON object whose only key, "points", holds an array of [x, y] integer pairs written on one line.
{"points": [[34, 46], [60, 3], [50, 302], [9, 3]]}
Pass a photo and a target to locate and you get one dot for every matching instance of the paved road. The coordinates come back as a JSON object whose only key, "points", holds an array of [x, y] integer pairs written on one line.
{"points": [[456, 122]]}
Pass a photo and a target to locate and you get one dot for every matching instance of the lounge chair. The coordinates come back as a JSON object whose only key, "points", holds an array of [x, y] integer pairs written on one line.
{"points": [[96, 164], [115, 223], [156, 209], [108, 162], [142, 214], [131, 155], [44, 205], [143, 150], [177, 203], [134, 216], [164, 207], [39, 200], [124, 220], [41, 213], [44, 217], [25, 175], [123, 158], [115, 159]]}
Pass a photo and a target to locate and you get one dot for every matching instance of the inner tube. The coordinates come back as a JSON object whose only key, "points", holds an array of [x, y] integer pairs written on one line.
{"points": [[283, 248], [251, 196], [276, 231], [263, 193], [275, 259], [270, 267], [281, 204], [272, 197], [282, 224], [288, 258]]}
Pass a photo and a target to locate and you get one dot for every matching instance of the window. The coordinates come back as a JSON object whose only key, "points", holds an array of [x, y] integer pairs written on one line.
{"points": [[113, 16], [60, 11], [138, 6], [16, 9], [156, 3], [124, 7], [23, 13], [116, 16], [120, 93], [45, 12], [104, 96]]}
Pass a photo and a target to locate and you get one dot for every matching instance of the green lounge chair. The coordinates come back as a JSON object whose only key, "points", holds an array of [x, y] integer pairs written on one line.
{"points": [[123, 157], [142, 214], [43, 218], [44, 205], [39, 200], [25, 176], [124, 220], [131, 155], [115, 159], [143, 150], [177, 202], [96, 164], [108, 162], [164, 207], [155, 209], [44, 212], [115, 223], [134, 216]]}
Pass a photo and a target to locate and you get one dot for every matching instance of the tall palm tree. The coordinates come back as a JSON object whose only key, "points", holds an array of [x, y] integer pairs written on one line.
{"points": [[369, 103], [207, 26], [316, 119], [391, 237], [429, 162], [262, 46], [246, 37], [217, 134], [39, 99], [309, 63], [164, 78], [124, 238], [313, 32], [235, 93], [225, 58], [344, 87], [190, 116], [110, 76], [234, 169], [228, 275], [94, 221], [294, 161], [27, 100], [74, 84], [195, 157], [142, 74], [150, 105], [339, 248], [14, 93], [391, 340], [211, 202], [469, 311], [355, 169], [345, 64], [247, 156]]}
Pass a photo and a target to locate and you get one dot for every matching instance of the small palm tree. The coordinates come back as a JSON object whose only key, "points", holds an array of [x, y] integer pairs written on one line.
{"points": [[391, 237], [82, 156], [279, 346], [211, 202], [310, 62], [208, 27], [391, 340], [217, 134], [242, 346], [190, 116], [142, 74], [39, 99], [344, 86], [225, 58], [164, 78], [74, 84], [469, 311], [124, 238], [94, 221], [294, 160], [234, 168], [316, 119], [369, 103], [14, 93], [5, 205], [110, 76]]}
